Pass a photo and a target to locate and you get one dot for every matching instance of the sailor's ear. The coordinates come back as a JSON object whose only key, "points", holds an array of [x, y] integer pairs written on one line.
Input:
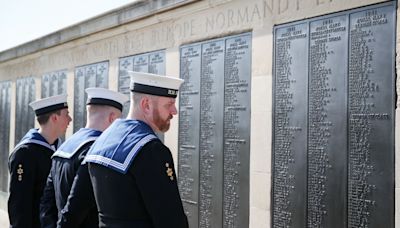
{"points": [[145, 103]]}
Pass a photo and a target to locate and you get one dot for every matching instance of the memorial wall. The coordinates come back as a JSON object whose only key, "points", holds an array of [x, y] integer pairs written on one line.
{"points": [[286, 117], [334, 103]]}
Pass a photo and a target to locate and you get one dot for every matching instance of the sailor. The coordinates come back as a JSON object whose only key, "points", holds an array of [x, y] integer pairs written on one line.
{"points": [[30, 161], [68, 196], [132, 171]]}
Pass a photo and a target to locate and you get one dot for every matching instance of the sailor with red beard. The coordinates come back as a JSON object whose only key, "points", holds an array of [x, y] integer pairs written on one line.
{"points": [[131, 170]]}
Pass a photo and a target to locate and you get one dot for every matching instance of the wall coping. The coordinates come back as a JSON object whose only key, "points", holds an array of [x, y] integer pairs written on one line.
{"points": [[113, 18]]}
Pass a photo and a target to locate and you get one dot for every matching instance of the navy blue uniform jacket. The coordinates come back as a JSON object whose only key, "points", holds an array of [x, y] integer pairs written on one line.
{"points": [[66, 162], [133, 178], [29, 166]]}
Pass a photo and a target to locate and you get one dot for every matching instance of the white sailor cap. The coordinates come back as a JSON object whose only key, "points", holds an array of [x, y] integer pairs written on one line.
{"points": [[49, 104], [155, 84], [101, 96]]}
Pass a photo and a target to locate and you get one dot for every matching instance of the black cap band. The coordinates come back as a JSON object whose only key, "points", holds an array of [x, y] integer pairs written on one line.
{"points": [[103, 101], [153, 90], [51, 108]]}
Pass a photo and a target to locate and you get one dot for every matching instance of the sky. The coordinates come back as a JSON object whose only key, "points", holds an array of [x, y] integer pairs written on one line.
{"points": [[24, 20]]}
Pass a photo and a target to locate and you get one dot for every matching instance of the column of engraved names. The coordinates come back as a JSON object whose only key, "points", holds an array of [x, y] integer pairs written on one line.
{"points": [[90, 81], [283, 181], [125, 65], [54, 85], [211, 130], [93, 75], [327, 50], [153, 62], [369, 82], [141, 63], [102, 75], [5, 106], [79, 105], [18, 113], [29, 96], [189, 114], [157, 63], [236, 131], [45, 86], [290, 42], [25, 115]]}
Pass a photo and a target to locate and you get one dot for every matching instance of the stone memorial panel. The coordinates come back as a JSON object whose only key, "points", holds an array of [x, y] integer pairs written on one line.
{"points": [[54, 83], [93, 75], [157, 62], [348, 87], [152, 62], [102, 75], [214, 133], [236, 131], [141, 63]]}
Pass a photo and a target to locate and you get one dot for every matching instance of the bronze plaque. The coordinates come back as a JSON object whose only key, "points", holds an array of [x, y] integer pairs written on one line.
{"points": [[341, 172]]}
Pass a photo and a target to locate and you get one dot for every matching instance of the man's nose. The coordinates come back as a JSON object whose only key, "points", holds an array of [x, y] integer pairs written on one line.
{"points": [[174, 111]]}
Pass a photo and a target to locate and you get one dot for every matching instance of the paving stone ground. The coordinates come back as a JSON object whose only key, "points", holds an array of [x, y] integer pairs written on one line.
{"points": [[3, 219]]}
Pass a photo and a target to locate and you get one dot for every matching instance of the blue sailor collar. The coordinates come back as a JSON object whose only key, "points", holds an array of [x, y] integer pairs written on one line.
{"points": [[33, 136], [117, 147], [76, 141]]}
